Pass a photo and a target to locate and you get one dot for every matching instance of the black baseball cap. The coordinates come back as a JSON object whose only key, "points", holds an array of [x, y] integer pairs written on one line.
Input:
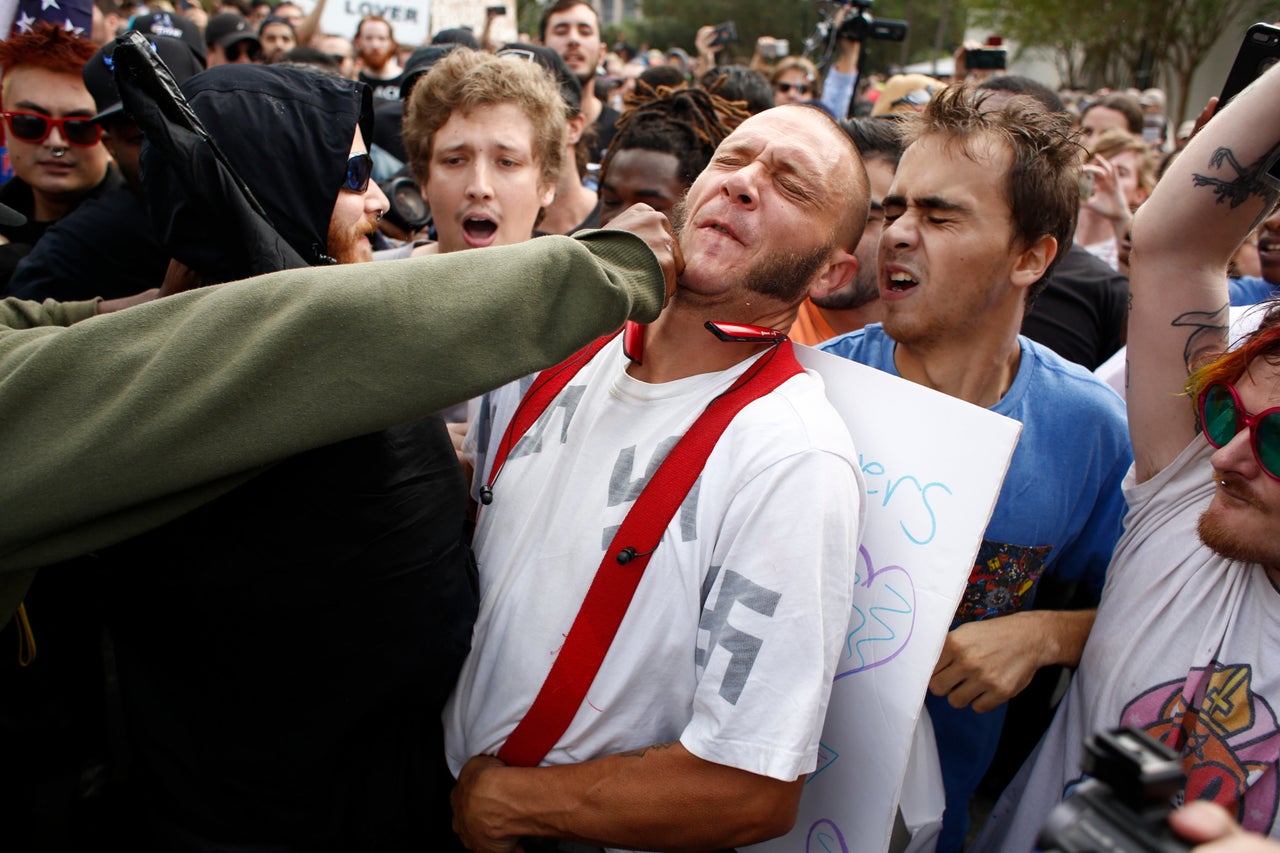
{"points": [[227, 28], [419, 63], [570, 88], [100, 79], [172, 25]]}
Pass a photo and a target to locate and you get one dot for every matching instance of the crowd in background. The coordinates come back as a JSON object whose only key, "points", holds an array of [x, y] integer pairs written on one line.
{"points": [[355, 148]]}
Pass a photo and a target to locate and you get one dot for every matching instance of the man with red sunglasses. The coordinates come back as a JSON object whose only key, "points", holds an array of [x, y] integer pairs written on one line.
{"points": [[54, 146], [1184, 644]]}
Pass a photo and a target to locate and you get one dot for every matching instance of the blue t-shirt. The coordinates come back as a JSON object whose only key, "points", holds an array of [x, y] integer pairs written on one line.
{"points": [[1060, 511], [1249, 290]]}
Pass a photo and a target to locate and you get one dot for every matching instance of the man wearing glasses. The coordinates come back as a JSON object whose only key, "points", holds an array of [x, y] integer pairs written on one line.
{"points": [[112, 234], [251, 715], [54, 146], [1185, 638]]}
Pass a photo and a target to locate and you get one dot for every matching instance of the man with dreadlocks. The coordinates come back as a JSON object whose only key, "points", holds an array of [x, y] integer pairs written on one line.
{"points": [[664, 140], [692, 723], [1194, 578]]}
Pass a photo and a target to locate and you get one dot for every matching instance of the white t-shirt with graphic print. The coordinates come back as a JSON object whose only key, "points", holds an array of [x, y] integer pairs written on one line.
{"points": [[731, 640], [1184, 647]]}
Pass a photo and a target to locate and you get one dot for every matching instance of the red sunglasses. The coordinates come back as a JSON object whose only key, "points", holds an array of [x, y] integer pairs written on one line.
{"points": [[35, 127]]}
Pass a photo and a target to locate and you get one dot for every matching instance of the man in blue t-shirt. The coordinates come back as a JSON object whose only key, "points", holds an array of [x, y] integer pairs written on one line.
{"points": [[981, 203]]}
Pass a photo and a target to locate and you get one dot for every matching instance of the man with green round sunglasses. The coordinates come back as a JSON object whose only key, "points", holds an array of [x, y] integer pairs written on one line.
{"points": [[1185, 639]]}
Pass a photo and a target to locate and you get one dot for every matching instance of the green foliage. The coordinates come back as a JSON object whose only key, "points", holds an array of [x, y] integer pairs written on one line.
{"points": [[1120, 43]]}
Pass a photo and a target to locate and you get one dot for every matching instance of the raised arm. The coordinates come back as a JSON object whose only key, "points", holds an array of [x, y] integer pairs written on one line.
{"points": [[310, 26], [1183, 236], [155, 410]]}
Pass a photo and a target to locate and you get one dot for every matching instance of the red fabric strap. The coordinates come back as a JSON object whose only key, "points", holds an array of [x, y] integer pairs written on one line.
{"points": [[627, 556], [546, 385]]}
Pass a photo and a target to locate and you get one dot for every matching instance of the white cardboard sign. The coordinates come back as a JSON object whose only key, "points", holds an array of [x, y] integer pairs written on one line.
{"points": [[933, 467], [410, 19]]}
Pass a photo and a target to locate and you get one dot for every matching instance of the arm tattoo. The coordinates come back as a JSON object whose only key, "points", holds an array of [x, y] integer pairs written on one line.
{"points": [[1208, 334], [642, 752], [1249, 180]]}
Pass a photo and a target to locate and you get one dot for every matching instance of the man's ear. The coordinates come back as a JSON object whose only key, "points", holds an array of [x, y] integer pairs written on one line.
{"points": [[576, 126], [837, 272], [1030, 264], [548, 195]]}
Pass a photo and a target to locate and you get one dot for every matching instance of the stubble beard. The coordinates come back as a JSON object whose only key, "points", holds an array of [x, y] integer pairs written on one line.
{"points": [[784, 276], [861, 291], [1218, 536]]}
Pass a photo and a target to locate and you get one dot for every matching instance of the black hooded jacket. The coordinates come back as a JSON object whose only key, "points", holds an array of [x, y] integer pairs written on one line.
{"points": [[284, 652], [286, 133]]}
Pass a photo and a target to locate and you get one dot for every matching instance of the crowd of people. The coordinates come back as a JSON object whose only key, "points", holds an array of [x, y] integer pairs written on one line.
{"points": [[406, 445]]}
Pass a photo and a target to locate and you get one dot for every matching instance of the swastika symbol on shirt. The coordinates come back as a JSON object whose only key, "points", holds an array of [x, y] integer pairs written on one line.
{"points": [[743, 648], [531, 443]]}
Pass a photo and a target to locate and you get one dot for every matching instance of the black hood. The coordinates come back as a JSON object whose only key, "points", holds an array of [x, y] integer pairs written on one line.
{"points": [[286, 132]]}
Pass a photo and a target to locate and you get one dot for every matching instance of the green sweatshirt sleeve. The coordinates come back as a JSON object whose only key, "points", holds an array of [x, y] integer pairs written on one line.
{"points": [[21, 314], [121, 422]]}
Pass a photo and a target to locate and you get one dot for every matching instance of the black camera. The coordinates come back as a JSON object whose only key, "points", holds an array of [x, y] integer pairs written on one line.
{"points": [[985, 59], [407, 210], [1125, 806], [725, 33], [860, 25]]}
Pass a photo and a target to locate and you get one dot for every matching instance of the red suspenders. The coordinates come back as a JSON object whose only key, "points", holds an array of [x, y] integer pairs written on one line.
{"points": [[625, 559]]}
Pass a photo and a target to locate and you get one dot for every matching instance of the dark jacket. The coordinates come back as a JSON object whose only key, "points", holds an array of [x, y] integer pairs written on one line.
{"points": [[283, 653], [17, 194], [105, 247], [285, 134]]}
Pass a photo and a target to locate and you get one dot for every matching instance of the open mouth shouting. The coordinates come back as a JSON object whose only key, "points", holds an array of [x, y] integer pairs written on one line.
{"points": [[479, 230], [899, 281]]}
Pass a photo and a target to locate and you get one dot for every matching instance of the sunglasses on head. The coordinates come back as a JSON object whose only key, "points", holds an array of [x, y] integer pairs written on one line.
{"points": [[785, 88], [359, 169], [35, 127], [1222, 416]]}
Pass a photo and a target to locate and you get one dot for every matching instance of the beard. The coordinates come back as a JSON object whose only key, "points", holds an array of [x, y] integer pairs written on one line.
{"points": [[859, 292], [345, 244], [1219, 537], [784, 276], [375, 60]]}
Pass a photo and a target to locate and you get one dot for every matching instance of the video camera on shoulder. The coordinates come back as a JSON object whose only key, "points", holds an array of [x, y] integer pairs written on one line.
{"points": [[860, 25], [1126, 804]]}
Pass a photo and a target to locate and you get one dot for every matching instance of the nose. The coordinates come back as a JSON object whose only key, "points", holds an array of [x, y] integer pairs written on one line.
{"points": [[1237, 456], [55, 139], [479, 187], [375, 200], [899, 234], [742, 186]]}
